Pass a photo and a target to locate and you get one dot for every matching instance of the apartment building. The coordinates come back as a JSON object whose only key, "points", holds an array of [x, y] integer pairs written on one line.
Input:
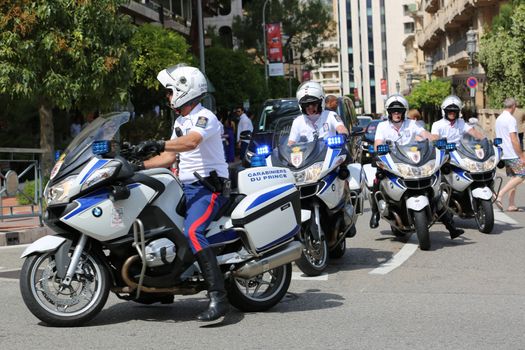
{"points": [[447, 35], [372, 33]]}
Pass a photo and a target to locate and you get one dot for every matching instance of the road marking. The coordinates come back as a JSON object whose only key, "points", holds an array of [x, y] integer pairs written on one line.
{"points": [[299, 276], [408, 249], [503, 218]]}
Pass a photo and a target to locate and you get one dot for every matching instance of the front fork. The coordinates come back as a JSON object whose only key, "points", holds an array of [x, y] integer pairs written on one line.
{"points": [[75, 259], [315, 224]]}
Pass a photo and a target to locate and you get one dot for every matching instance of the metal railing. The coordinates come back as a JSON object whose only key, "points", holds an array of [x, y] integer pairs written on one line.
{"points": [[31, 166]]}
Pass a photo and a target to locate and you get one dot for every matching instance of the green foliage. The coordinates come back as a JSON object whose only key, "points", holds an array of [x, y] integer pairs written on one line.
{"points": [[28, 192], [235, 77], [501, 54], [155, 48], [65, 52], [428, 93], [305, 23]]}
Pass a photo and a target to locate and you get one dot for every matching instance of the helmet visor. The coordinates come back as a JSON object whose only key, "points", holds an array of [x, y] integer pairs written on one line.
{"points": [[399, 110]]}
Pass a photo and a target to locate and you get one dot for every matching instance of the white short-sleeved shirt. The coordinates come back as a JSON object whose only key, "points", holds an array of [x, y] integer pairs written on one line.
{"points": [[505, 124], [386, 131], [325, 126], [209, 154], [244, 124], [452, 132]]}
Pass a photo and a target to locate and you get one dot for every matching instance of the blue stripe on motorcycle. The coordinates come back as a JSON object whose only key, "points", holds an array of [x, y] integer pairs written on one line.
{"points": [[454, 157], [280, 240], [384, 159], [267, 196], [223, 237], [328, 180], [335, 153], [99, 164], [394, 180], [88, 201], [461, 173]]}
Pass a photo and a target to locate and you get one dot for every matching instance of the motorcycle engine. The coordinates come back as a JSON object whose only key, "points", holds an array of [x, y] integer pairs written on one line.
{"points": [[160, 252]]}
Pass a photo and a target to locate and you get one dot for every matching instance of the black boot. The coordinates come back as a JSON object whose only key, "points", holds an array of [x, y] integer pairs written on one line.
{"points": [[451, 227], [218, 305], [374, 219]]}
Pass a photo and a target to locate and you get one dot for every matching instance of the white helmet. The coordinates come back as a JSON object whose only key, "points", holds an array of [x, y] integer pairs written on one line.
{"points": [[396, 102], [310, 92], [187, 84], [451, 103]]}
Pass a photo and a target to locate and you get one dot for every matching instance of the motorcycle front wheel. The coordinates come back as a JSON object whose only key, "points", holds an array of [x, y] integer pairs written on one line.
{"points": [[64, 305], [314, 258], [261, 292], [421, 224], [484, 215]]}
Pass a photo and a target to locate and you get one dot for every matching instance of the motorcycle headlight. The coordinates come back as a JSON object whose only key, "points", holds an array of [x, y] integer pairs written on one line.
{"points": [[425, 170], [101, 174], [310, 174], [476, 167], [60, 192]]}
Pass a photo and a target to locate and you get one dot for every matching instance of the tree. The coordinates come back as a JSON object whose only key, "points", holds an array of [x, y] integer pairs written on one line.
{"points": [[235, 77], [65, 54], [501, 55], [305, 25], [427, 97], [155, 48]]}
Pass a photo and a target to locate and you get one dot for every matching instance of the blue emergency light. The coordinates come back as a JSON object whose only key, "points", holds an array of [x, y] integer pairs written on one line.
{"points": [[101, 147], [451, 146], [441, 143], [371, 149], [335, 141], [258, 160], [263, 150], [498, 141], [383, 149]]}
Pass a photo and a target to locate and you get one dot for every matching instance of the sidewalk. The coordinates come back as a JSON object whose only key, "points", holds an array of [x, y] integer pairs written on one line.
{"points": [[19, 230]]}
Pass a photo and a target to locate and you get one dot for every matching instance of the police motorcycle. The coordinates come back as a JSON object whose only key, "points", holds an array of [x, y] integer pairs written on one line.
{"points": [[410, 188], [471, 174], [330, 189], [121, 231]]}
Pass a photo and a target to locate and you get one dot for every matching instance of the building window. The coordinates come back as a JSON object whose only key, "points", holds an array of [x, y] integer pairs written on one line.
{"points": [[409, 27], [226, 37]]}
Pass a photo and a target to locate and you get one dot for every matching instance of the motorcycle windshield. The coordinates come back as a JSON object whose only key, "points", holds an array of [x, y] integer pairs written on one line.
{"points": [[413, 151], [297, 155], [104, 128], [478, 148]]}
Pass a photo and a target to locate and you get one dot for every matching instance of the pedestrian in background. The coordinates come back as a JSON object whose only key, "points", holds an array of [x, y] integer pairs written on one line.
{"points": [[330, 103], [228, 139], [414, 114], [507, 130], [244, 131], [76, 125], [519, 114]]}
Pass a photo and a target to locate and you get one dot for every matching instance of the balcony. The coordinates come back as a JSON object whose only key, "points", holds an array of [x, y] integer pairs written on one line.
{"points": [[153, 12], [431, 6], [430, 36], [457, 14]]}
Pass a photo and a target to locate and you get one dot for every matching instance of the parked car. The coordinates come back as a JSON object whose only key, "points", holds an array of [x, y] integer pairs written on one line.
{"points": [[276, 110], [368, 140], [363, 120]]}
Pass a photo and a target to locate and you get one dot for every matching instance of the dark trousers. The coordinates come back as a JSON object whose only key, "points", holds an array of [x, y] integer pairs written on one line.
{"points": [[202, 206], [520, 137], [244, 148]]}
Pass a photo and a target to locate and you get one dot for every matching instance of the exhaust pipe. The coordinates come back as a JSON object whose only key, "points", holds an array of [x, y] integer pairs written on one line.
{"points": [[256, 267]]}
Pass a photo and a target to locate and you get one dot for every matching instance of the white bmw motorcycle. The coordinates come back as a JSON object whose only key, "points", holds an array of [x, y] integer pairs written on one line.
{"points": [[471, 174], [121, 231], [329, 188], [410, 188]]}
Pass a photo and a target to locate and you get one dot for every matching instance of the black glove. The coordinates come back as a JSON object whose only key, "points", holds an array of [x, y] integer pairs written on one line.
{"points": [[149, 147], [137, 165]]}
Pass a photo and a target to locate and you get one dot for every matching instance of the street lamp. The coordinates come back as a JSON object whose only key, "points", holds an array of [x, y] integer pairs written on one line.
{"points": [[397, 87], [409, 81], [471, 50], [264, 42], [429, 66]]}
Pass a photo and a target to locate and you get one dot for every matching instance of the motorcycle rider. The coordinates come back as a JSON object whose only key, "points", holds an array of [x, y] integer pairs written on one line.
{"points": [[400, 129], [314, 120], [201, 152], [452, 126]]}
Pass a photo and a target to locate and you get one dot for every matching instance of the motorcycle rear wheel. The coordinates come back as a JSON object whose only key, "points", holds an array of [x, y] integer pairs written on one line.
{"points": [[314, 258], [62, 306], [484, 216], [261, 292], [421, 223]]}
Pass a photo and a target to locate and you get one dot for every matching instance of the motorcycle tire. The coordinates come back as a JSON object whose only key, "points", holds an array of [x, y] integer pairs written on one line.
{"points": [[314, 258], [421, 224], [40, 288], [484, 215], [338, 251], [247, 294]]}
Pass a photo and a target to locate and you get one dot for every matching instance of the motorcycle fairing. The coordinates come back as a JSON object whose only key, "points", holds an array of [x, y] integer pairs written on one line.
{"points": [[104, 219]]}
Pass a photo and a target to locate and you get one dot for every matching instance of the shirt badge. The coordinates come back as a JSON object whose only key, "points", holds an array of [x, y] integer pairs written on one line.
{"points": [[480, 153], [325, 126], [202, 122]]}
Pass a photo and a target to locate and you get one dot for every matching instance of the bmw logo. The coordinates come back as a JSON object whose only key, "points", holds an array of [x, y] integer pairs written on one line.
{"points": [[97, 212]]}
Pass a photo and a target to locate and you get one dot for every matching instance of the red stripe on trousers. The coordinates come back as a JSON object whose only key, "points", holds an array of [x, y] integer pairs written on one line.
{"points": [[199, 222]]}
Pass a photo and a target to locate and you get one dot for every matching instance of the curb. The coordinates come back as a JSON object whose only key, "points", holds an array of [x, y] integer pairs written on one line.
{"points": [[23, 237]]}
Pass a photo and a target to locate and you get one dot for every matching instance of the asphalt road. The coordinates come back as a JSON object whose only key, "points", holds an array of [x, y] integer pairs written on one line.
{"points": [[467, 293]]}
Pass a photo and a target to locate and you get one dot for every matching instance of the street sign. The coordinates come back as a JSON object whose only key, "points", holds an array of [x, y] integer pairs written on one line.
{"points": [[472, 82]]}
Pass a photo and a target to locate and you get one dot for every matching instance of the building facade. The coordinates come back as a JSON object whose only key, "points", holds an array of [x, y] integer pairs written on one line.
{"points": [[372, 33]]}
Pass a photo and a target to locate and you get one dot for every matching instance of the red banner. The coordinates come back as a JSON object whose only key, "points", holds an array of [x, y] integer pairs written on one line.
{"points": [[274, 43], [384, 87]]}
